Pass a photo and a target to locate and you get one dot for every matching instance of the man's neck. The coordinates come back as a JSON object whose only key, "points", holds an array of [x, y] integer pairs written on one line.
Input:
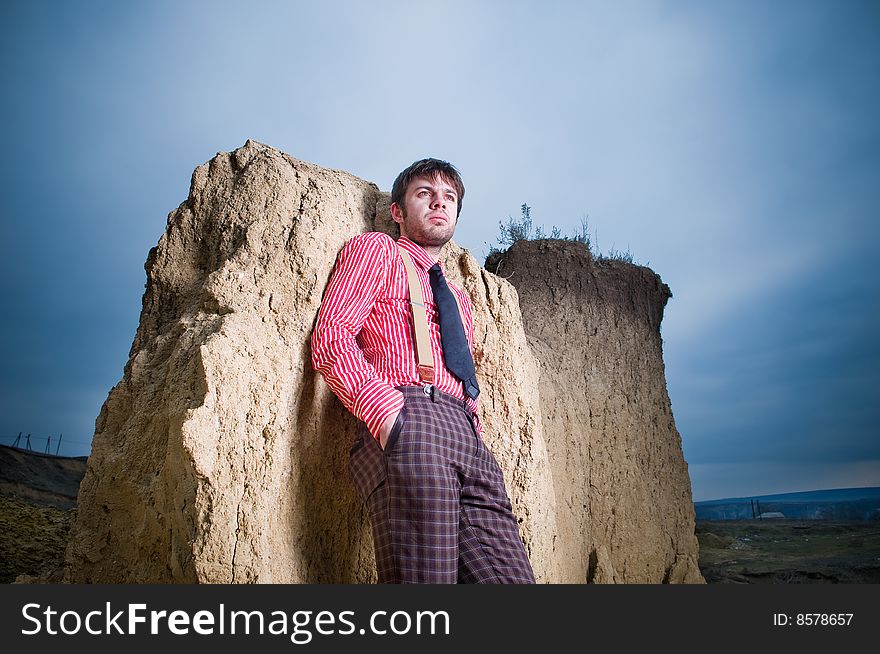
{"points": [[432, 251]]}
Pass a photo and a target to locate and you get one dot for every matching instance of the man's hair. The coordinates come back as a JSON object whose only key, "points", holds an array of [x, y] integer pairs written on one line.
{"points": [[429, 168]]}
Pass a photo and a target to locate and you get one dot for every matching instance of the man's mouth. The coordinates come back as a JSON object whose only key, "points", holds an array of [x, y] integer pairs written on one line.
{"points": [[440, 217]]}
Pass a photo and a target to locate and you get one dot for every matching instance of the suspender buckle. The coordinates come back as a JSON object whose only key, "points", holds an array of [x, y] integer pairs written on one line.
{"points": [[426, 374]]}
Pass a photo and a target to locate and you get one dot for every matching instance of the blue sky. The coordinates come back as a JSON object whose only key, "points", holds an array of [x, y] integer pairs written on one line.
{"points": [[732, 146]]}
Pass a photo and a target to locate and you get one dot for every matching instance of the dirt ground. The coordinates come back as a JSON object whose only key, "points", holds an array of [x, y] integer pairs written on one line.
{"points": [[33, 538], [783, 551]]}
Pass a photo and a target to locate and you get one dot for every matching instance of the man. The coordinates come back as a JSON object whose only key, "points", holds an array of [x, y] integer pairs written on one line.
{"points": [[436, 497]]}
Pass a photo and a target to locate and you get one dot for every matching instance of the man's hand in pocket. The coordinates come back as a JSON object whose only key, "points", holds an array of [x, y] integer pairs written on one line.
{"points": [[387, 426]]}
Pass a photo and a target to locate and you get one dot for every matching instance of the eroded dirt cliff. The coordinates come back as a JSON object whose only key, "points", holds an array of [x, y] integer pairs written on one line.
{"points": [[623, 495], [221, 456]]}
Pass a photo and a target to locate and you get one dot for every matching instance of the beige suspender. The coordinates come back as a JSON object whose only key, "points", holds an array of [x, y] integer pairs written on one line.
{"points": [[424, 357], [420, 319]]}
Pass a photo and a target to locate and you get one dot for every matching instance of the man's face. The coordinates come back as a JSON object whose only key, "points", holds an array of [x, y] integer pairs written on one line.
{"points": [[430, 211]]}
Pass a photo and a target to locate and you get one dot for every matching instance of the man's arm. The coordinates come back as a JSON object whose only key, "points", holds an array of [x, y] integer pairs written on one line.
{"points": [[358, 278]]}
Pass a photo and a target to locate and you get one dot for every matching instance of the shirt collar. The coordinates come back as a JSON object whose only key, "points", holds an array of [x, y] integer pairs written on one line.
{"points": [[417, 253]]}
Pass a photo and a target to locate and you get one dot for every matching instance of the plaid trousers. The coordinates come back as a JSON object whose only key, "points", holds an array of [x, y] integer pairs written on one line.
{"points": [[438, 506]]}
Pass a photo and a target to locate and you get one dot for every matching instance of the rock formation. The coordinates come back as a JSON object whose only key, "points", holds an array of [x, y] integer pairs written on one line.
{"points": [[623, 495], [221, 456]]}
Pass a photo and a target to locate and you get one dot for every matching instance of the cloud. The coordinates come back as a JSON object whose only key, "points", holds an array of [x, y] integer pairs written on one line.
{"points": [[792, 377]]}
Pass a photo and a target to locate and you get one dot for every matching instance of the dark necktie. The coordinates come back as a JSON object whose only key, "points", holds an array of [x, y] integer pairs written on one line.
{"points": [[456, 352]]}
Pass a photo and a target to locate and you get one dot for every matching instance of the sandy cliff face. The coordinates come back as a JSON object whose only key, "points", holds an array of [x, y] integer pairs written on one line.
{"points": [[221, 456], [623, 495]]}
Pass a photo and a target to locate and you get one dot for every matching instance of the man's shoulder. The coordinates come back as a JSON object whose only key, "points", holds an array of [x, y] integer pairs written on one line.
{"points": [[378, 242]]}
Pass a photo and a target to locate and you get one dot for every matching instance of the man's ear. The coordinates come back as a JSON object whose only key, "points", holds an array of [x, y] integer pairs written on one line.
{"points": [[396, 213]]}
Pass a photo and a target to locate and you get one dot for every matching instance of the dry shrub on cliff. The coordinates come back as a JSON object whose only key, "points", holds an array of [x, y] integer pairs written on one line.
{"points": [[523, 229]]}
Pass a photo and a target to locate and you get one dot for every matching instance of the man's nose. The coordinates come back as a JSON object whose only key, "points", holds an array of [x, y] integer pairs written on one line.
{"points": [[437, 202]]}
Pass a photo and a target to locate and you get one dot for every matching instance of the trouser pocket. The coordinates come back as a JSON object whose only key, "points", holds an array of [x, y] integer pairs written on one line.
{"points": [[395, 429], [366, 464]]}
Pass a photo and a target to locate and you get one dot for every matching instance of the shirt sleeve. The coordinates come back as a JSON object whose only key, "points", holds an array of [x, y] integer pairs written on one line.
{"points": [[357, 281]]}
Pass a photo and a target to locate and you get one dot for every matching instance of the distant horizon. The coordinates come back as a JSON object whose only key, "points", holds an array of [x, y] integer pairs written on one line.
{"points": [[799, 492]]}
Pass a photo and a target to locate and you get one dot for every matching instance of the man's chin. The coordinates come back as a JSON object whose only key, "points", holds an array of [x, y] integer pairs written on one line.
{"points": [[431, 240]]}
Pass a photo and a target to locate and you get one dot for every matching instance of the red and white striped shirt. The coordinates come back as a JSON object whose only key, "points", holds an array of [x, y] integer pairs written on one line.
{"points": [[363, 340]]}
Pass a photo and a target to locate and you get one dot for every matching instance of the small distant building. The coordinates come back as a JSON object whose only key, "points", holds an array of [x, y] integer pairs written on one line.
{"points": [[771, 514]]}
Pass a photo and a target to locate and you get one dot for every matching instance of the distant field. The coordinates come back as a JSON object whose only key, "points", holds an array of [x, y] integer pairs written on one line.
{"points": [[837, 504], [789, 551]]}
